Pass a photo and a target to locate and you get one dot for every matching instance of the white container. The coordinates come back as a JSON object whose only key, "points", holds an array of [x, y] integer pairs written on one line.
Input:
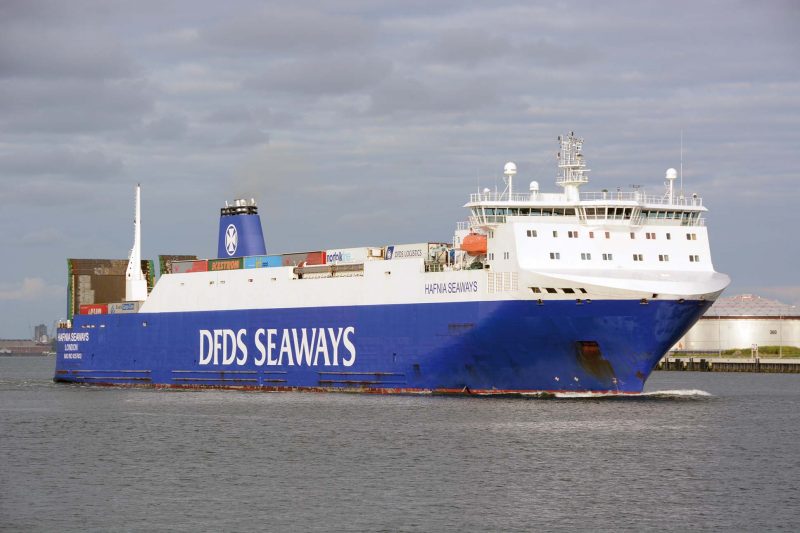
{"points": [[123, 307], [352, 255]]}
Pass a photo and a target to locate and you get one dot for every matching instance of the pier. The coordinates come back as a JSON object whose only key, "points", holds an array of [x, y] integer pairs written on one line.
{"points": [[774, 365]]}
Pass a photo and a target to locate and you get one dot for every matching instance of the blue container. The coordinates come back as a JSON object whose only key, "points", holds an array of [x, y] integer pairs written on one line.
{"points": [[261, 261]]}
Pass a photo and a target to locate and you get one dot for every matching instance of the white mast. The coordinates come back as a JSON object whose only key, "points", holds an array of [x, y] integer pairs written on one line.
{"points": [[135, 282], [572, 165]]}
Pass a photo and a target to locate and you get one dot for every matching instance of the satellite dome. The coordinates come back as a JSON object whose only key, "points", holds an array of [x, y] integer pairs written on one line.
{"points": [[510, 169], [672, 174], [534, 187]]}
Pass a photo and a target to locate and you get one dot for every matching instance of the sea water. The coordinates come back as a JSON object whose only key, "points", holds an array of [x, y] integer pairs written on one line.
{"points": [[698, 451]]}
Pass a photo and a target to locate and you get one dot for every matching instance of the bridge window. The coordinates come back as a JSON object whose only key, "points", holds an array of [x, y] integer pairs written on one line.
{"points": [[568, 291], [550, 290]]}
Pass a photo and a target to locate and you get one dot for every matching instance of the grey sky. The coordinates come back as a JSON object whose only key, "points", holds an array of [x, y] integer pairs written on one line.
{"points": [[367, 123]]}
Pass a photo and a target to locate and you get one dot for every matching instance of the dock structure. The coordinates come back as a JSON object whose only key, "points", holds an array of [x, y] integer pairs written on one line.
{"points": [[773, 365]]}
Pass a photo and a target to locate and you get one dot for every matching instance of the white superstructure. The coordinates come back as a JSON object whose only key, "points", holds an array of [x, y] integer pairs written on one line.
{"points": [[574, 245]]}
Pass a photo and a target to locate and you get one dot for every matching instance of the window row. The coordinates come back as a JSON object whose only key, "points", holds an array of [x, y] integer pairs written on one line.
{"points": [[574, 234], [587, 256]]}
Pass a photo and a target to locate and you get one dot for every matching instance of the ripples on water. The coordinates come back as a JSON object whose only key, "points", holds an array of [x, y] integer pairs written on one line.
{"points": [[697, 451]]}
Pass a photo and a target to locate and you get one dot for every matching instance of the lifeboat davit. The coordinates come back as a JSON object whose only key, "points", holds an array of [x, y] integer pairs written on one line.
{"points": [[474, 244]]}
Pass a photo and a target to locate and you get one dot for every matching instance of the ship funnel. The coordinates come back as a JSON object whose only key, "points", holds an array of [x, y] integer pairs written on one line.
{"points": [[240, 231]]}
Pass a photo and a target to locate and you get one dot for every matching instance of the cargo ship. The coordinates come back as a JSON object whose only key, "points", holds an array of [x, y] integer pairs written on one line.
{"points": [[538, 293]]}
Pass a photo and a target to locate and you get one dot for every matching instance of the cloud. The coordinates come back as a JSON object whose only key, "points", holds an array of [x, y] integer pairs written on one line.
{"points": [[71, 106], [325, 74], [403, 95], [60, 53], [283, 29], [39, 237], [82, 165], [30, 289]]}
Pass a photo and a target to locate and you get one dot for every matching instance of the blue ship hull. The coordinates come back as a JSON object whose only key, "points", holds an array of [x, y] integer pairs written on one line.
{"points": [[485, 347]]}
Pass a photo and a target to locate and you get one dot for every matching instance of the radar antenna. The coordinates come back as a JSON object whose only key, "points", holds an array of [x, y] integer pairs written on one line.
{"points": [[572, 165]]}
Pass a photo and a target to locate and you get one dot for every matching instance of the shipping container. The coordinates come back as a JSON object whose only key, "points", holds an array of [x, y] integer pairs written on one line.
{"points": [[183, 267], [123, 307], [261, 261], [427, 251], [303, 258], [165, 261], [235, 263], [353, 255], [99, 280], [407, 251], [93, 309]]}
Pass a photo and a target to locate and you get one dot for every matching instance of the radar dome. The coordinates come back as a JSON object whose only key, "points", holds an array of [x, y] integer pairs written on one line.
{"points": [[672, 174], [510, 169], [534, 187]]}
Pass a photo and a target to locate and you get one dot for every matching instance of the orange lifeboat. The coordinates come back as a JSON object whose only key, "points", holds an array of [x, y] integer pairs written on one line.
{"points": [[474, 244]]}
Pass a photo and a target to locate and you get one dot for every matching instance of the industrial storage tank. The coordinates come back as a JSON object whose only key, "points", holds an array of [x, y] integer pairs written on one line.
{"points": [[743, 322]]}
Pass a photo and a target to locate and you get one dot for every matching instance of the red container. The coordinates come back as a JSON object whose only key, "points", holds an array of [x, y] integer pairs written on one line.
{"points": [[93, 309], [315, 258], [182, 267]]}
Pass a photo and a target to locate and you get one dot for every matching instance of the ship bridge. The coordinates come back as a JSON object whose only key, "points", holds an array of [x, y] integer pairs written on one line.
{"points": [[604, 208]]}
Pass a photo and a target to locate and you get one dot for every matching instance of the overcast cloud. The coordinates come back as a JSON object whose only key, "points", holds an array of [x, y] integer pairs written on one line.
{"points": [[356, 123]]}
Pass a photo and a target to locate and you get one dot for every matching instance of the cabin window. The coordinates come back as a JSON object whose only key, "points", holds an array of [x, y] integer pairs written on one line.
{"points": [[555, 233], [633, 235], [691, 236], [591, 235], [555, 255], [669, 237], [638, 257], [608, 235], [531, 233], [586, 256], [663, 257], [608, 257], [694, 258]]}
